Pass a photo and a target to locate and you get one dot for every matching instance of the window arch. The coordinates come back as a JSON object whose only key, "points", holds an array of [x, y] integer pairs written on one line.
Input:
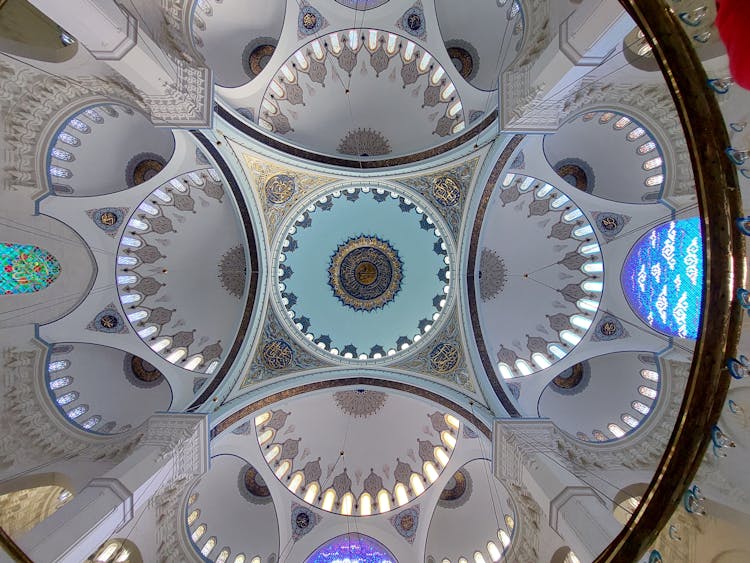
{"points": [[26, 268], [352, 547]]}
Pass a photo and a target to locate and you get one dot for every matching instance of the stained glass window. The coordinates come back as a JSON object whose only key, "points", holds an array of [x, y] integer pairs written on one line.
{"points": [[636, 133], [94, 115], [649, 374], [616, 430], [663, 278], [352, 547], [646, 148], [61, 154], [640, 407], [647, 392], [60, 172], [622, 122]]}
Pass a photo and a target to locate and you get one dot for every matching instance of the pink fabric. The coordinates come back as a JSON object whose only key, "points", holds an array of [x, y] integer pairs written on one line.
{"points": [[733, 22]]}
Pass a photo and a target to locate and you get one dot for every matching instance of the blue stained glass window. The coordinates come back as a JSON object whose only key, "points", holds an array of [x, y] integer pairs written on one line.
{"points": [[663, 278], [354, 548]]}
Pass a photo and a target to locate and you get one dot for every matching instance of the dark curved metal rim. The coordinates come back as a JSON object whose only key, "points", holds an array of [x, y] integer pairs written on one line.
{"points": [[267, 140], [719, 202], [252, 272]]}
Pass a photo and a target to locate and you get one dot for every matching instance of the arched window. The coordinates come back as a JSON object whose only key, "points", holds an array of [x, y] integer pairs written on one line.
{"points": [[223, 556], [650, 375], [198, 532], [60, 382], [599, 436], [629, 420], [616, 430], [647, 392], [647, 147], [663, 278], [60, 172], [61, 154], [193, 517], [68, 139], [640, 407], [67, 398], [79, 125], [78, 411], [94, 115], [352, 547], [208, 547], [90, 422], [58, 365], [240, 558]]}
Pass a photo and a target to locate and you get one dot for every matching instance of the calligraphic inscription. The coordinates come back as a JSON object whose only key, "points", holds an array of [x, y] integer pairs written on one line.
{"points": [[444, 357], [446, 191], [277, 354], [280, 189]]}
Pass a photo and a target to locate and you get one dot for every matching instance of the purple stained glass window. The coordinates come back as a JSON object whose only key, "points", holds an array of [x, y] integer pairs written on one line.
{"points": [[663, 278], [355, 548]]}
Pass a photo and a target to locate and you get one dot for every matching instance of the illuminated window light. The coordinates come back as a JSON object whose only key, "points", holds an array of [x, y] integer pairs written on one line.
{"points": [[452, 421], [198, 533], [193, 362], [176, 355], [650, 375], [448, 439], [504, 538], [510, 522], [570, 337], [208, 547], [622, 123], [583, 231], [193, 517], [417, 485], [479, 558], [592, 286], [640, 407], [508, 180], [311, 493], [108, 552], [579, 321], [430, 471], [524, 367], [384, 501], [273, 451], [541, 360], [653, 163], [365, 504], [223, 556], [495, 553], [130, 298], [647, 147], [347, 504], [295, 483], [123, 556], [588, 305], [262, 418], [629, 420], [557, 351], [440, 456], [656, 180], [402, 497], [329, 497], [616, 430], [636, 134], [593, 268], [283, 469], [647, 392]]}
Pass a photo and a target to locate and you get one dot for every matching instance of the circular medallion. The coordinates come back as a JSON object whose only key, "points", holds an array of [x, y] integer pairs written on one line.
{"points": [[277, 354], [455, 488], [109, 219], [444, 357], [446, 191], [254, 483], [608, 223], [259, 58], [414, 21], [462, 60], [144, 370], [280, 189], [309, 20], [109, 322], [608, 328], [365, 273], [302, 520], [570, 378], [143, 167]]}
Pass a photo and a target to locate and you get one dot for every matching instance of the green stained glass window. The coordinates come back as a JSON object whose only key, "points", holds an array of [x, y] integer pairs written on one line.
{"points": [[25, 268]]}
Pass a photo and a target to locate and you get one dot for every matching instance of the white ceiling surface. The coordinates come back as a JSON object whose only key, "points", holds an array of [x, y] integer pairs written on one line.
{"points": [[459, 531], [643, 217], [618, 168], [379, 104], [614, 383], [71, 211], [236, 522], [99, 377], [485, 26], [232, 25], [192, 257], [332, 525], [102, 158], [369, 442]]}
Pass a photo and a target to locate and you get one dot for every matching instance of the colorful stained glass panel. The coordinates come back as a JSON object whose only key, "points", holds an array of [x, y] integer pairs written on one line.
{"points": [[26, 269], [356, 548], [663, 278]]}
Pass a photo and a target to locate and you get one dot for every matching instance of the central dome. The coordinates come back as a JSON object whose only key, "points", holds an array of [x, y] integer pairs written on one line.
{"points": [[385, 280], [365, 273]]}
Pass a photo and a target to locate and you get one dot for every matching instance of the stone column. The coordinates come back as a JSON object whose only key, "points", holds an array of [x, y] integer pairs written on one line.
{"points": [[175, 93], [174, 446]]}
